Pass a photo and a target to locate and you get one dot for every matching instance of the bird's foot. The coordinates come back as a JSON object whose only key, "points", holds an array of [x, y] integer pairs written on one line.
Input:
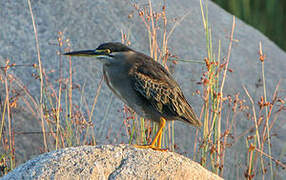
{"points": [[150, 147]]}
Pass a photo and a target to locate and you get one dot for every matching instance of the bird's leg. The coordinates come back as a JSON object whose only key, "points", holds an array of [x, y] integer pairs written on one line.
{"points": [[159, 144], [158, 137], [162, 124]]}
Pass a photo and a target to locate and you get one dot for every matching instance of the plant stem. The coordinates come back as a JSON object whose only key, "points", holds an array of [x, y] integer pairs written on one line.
{"points": [[40, 76]]}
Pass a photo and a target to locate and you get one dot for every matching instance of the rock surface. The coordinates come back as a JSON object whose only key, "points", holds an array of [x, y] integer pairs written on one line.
{"points": [[110, 162]]}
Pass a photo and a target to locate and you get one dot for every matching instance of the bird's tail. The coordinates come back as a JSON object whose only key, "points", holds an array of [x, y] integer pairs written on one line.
{"points": [[189, 114], [191, 117]]}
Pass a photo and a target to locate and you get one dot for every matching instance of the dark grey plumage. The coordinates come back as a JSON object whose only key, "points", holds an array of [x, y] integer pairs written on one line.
{"points": [[143, 84], [157, 87]]}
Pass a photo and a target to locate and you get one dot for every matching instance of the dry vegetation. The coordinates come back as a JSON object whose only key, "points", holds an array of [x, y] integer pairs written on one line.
{"points": [[68, 123]]}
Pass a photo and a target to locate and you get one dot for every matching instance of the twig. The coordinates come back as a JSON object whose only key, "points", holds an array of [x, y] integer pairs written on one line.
{"points": [[270, 157]]}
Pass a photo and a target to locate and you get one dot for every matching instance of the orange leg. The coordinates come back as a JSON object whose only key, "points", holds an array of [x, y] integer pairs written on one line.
{"points": [[158, 137], [159, 144]]}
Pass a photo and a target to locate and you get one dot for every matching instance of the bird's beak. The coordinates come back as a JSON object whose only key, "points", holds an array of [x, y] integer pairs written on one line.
{"points": [[86, 53]]}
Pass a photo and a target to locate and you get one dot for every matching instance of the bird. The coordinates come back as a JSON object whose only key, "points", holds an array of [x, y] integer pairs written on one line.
{"points": [[142, 84]]}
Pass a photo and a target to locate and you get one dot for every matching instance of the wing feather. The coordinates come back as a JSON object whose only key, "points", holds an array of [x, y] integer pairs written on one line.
{"points": [[153, 82]]}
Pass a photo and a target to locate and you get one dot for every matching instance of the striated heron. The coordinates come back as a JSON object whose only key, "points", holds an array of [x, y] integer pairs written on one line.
{"points": [[144, 85]]}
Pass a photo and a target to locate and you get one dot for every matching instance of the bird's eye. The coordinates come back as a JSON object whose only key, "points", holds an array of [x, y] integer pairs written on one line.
{"points": [[107, 51]]}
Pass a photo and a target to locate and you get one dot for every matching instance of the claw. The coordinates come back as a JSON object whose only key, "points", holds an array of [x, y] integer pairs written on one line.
{"points": [[151, 147]]}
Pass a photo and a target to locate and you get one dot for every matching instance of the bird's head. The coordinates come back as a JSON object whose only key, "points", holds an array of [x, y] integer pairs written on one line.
{"points": [[106, 52]]}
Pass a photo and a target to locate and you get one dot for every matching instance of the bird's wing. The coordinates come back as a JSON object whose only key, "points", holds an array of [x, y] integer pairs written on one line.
{"points": [[155, 84]]}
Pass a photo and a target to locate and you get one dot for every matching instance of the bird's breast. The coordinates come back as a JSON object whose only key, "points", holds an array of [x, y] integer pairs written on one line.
{"points": [[121, 85], [112, 83]]}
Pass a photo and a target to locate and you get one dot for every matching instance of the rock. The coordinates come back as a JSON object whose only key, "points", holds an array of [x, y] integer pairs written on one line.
{"points": [[110, 162]]}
